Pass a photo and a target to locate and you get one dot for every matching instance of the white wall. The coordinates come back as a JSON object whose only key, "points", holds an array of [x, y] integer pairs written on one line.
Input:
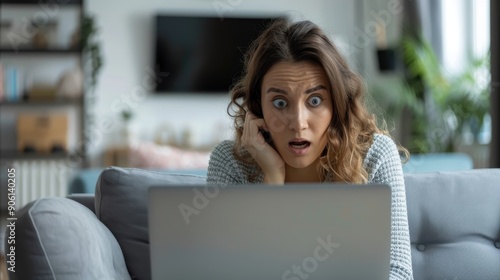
{"points": [[126, 39], [384, 87]]}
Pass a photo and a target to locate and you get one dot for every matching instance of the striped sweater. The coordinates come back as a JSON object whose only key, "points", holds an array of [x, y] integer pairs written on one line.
{"points": [[383, 165]]}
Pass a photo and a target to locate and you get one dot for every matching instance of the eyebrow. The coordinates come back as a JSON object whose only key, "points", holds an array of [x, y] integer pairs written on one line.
{"points": [[318, 87]]}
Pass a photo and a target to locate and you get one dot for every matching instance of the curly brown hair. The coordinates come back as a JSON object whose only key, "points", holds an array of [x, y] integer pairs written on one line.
{"points": [[352, 127]]}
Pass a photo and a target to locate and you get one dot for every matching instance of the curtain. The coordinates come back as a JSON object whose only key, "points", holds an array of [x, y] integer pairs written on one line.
{"points": [[422, 19], [495, 84]]}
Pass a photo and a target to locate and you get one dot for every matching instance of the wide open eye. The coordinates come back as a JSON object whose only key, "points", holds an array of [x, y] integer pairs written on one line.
{"points": [[315, 101], [280, 103]]}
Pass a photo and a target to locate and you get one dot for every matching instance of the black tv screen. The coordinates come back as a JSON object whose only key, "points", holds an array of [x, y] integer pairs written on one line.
{"points": [[202, 53]]}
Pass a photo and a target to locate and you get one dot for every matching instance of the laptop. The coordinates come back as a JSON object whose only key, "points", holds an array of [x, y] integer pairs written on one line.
{"points": [[296, 231]]}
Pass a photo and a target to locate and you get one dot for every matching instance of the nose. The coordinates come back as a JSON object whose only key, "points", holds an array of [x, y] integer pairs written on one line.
{"points": [[299, 119]]}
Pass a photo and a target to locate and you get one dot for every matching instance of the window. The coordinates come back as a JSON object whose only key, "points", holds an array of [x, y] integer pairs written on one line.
{"points": [[466, 32]]}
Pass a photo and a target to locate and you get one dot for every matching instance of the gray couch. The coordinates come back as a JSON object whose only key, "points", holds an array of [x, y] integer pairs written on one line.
{"points": [[454, 225]]}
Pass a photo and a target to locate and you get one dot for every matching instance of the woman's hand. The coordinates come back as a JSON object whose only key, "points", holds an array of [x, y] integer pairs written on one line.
{"points": [[264, 154]]}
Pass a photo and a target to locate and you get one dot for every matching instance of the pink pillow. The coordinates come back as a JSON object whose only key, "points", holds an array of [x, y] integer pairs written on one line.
{"points": [[152, 156]]}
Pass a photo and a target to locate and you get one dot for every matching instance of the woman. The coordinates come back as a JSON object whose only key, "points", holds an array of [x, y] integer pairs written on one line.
{"points": [[299, 117]]}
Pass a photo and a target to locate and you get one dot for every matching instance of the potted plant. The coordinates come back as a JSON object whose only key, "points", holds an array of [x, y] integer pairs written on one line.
{"points": [[91, 48], [92, 60], [451, 102], [126, 116]]}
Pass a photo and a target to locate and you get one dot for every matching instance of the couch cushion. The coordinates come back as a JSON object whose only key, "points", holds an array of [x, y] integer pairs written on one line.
{"points": [[454, 221], [121, 204], [62, 239]]}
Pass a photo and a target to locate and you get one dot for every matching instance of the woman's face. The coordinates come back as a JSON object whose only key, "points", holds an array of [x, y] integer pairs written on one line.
{"points": [[297, 108]]}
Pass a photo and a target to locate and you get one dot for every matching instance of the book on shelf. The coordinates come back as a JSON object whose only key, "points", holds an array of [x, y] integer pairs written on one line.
{"points": [[12, 84]]}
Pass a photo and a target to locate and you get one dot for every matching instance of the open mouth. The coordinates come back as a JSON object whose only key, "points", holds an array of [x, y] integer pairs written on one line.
{"points": [[299, 144]]}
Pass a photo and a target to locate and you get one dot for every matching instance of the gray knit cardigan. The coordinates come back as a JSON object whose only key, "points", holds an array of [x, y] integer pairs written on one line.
{"points": [[383, 164]]}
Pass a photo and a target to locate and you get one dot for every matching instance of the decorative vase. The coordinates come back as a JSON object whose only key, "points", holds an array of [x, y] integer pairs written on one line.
{"points": [[70, 84]]}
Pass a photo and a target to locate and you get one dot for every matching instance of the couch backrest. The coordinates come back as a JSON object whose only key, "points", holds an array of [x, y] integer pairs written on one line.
{"points": [[121, 201], [454, 221]]}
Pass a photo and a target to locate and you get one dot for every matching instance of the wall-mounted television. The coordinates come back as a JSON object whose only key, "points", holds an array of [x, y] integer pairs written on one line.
{"points": [[202, 54]]}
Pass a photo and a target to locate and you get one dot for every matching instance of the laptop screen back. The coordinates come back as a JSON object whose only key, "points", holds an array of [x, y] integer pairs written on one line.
{"points": [[270, 232]]}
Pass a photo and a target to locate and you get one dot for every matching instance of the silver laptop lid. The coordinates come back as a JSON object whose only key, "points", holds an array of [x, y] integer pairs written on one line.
{"points": [[270, 232]]}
